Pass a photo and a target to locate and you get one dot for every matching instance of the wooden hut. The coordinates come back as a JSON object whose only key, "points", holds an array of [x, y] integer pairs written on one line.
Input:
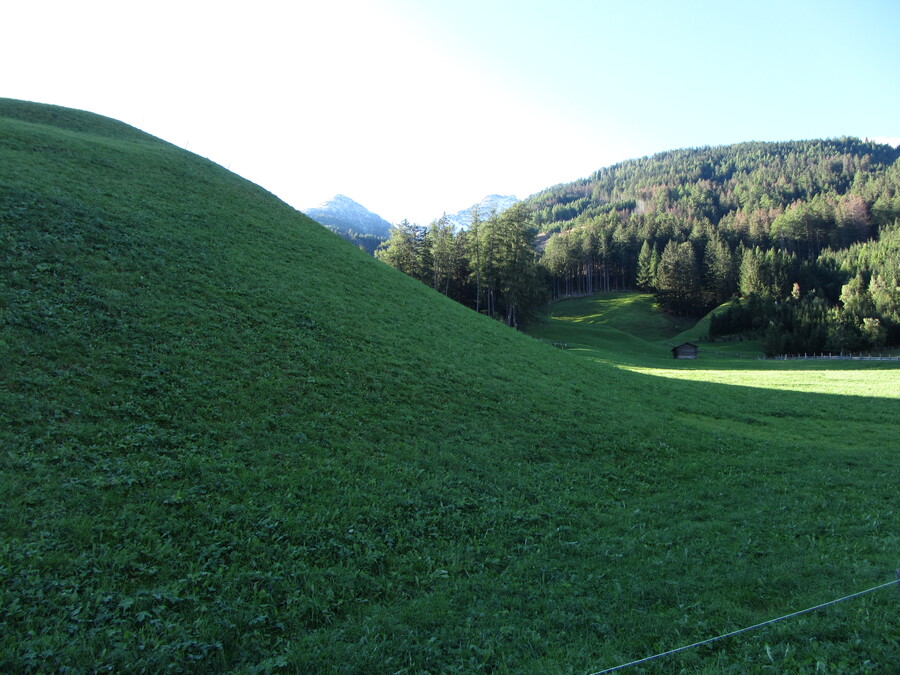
{"points": [[686, 350]]}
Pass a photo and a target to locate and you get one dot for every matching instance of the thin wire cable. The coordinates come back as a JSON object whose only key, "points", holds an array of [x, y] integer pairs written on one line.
{"points": [[744, 630]]}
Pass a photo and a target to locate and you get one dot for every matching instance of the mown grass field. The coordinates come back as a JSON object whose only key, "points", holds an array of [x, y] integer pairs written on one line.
{"points": [[231, 442], [592, 328]]}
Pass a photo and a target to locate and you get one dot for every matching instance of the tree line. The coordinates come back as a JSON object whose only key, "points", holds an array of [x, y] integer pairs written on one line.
{"points": [[491, 267], [792, 226], [802, 231]]}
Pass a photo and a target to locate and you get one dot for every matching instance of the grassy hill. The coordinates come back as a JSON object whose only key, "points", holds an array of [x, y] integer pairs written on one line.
{"points": [[231, 441]]}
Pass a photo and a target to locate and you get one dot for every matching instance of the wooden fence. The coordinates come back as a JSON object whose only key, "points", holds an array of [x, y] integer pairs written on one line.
{"points": [[836, 357]]}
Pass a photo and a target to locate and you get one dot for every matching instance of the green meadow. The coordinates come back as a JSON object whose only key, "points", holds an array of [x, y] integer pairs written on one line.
{"points": [[232, 442]]}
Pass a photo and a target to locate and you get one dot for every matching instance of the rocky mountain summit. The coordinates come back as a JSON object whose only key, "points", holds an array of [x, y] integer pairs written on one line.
{"points": [[343, 215], [461, 220]]}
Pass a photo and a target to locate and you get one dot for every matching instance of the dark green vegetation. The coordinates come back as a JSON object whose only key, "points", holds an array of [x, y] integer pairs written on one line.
{"points": [[807, 233], [367, 242], [491, 267], [813, 223], [233, 442]]}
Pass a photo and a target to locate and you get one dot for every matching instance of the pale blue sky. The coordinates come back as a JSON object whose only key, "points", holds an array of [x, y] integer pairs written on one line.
{"points": [[415, 107]]}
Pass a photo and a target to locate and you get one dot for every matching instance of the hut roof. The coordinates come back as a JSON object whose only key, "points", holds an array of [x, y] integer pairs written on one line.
{"points": [[685, 349]]}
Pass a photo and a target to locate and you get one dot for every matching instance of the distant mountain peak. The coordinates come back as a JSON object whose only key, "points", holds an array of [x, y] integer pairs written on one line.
{"points": [[344, 215], [462, 220], [341, 199]]}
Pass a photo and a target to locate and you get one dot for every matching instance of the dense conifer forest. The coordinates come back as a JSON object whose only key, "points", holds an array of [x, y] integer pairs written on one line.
{"points": [[802, 236], [492, 266]]}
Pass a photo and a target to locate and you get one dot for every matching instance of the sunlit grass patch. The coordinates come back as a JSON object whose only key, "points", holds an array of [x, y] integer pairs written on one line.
{"points": [[634, 313], [880, 383]]}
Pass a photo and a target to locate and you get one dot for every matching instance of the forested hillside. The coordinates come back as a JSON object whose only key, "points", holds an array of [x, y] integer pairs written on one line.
{"points": [[765, 221], [801, 231]]}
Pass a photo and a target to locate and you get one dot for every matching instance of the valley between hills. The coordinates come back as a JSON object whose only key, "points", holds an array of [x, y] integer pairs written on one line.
{"points": [[234, 442]]}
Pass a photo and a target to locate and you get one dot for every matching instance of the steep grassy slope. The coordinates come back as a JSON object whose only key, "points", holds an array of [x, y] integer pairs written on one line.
{"points": [[231, 441]]}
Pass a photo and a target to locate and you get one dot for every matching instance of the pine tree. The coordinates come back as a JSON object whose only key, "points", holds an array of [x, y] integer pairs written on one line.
{"points": [[403, 249], [751, 276], [678, 289], [719, 274], [475, 254], [521, 289], [441, 245], [645, 274]]}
